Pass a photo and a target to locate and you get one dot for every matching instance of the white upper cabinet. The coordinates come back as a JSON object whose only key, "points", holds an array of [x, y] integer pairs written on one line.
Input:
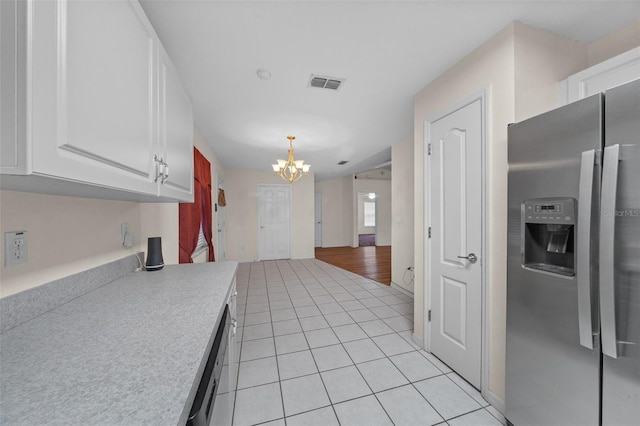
{"points": [[11, 88], [101, 107], [176, 126], [93, 93]]}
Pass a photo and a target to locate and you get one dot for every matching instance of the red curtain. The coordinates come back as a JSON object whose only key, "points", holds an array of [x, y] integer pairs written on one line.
{"points": [[189, 225], [190, 215], [206, 222]]}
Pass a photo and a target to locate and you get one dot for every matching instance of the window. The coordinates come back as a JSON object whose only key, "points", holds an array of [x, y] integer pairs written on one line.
{"points": [[202, 243], [369, 213]]}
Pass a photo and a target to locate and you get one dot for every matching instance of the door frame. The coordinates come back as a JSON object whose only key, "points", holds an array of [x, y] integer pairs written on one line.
{"points": [[219, 213], [360, 208], [484, 96], [316, 195], [261, 185]]}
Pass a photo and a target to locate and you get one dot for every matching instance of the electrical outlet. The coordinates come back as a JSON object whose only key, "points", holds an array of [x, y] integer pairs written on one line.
{"points": [[124, 230], [15, 248]]}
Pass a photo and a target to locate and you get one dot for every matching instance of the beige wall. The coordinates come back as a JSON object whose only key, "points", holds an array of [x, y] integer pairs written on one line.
{"points": [[615, 43], [541, 60], [382, 188], [337, 211], [67, 235], [520, 66], [160, 220], [241, 190], [402, 213]]}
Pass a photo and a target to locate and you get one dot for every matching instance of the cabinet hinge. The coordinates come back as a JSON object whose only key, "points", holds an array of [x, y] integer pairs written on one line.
{"points": [[429, 315], [429, 232], [429, 148]]}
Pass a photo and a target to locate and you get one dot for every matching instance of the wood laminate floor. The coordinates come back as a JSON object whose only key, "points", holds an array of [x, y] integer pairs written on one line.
{"points": [[373, 262]]}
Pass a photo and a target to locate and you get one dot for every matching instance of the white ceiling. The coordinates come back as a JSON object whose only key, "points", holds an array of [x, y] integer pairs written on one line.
{"points": [[386, 50]]}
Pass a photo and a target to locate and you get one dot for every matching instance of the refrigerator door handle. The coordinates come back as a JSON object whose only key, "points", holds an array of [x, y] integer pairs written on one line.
{"points": [[583, 260], [607, 238]]}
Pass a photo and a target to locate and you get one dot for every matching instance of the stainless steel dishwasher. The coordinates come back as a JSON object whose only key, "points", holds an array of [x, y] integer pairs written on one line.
{"points": [[210, 385]]}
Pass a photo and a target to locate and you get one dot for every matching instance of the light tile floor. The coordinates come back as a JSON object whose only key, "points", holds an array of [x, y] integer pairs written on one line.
{"points": [[322, 346]]}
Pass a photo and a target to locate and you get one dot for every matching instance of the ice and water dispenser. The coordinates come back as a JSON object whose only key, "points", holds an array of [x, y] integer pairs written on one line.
{"points": [[548, 243]]}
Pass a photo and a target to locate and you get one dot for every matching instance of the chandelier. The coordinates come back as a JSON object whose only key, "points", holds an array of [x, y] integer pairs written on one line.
{"points": [[291, 169]]}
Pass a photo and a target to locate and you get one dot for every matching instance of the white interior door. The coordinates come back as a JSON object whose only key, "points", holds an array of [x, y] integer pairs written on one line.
{"points": [[318, 219], [455, 187], [274, 222], [221, 221]]}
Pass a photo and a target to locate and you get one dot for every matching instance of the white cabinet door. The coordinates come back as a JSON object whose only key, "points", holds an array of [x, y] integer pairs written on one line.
{"points": [[90, 98], [234, 358], [93, 93], [11, 151], [226, 389], [176, 133]]}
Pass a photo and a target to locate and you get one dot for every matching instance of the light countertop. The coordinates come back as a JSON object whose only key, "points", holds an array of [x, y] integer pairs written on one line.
{"points": [[129, 352]]}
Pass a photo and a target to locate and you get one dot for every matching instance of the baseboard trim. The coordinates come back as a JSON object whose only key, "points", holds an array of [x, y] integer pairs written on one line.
{"points": [[402, 289], [417, 340], [495, 401]]}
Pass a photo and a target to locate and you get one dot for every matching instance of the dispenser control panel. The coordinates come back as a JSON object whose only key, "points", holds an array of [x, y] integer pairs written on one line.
{"points": [[559, 211], [548, 235], [548, 208]]}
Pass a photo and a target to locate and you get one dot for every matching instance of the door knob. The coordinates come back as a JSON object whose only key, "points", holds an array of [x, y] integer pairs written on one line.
{"points": [[471, 258]]}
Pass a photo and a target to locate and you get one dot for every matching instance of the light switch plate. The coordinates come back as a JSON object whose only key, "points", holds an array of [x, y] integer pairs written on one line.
{"points": [[124, 230], [15, 248]]}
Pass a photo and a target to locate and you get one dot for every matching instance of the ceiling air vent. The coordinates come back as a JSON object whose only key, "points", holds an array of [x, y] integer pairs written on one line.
{"points": [[324, 82], [342, 163]]}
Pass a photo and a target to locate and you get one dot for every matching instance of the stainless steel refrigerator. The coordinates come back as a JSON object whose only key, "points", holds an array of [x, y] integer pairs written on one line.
{"points": [[573, 268]]}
